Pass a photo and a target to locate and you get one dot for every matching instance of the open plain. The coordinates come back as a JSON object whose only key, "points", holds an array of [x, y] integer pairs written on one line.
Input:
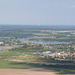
{"points": [[26, 72]]}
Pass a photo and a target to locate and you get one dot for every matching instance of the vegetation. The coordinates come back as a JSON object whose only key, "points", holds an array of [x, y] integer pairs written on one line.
{"points": [[30, 55]]}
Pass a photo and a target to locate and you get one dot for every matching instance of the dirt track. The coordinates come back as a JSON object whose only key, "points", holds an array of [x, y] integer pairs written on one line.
{"points": [[26, 72]]}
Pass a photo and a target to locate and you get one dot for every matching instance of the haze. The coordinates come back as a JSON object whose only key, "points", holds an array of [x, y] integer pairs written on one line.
{"points": [[37, 12]]}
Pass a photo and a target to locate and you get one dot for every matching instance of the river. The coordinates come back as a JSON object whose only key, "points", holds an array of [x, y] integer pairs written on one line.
{"points": [[42, 42]]}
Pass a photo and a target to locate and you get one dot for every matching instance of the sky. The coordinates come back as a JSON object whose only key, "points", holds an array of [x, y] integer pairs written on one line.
{"points": [[37, 12]]}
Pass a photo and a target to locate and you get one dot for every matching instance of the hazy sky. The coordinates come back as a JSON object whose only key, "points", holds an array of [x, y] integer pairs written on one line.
{"points": [[43, 12]]}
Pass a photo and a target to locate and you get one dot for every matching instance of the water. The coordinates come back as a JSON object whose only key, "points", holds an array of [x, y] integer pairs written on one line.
{"points": [[41, 37], [42, 42], [2, 48]]}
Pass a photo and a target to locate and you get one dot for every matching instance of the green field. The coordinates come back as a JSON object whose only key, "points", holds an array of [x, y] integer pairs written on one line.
{"points": [[28, 62]]}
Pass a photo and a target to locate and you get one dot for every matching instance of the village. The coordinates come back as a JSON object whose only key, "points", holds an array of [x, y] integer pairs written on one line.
{"points": [[32, 51], [56, 51], [65, 52]]}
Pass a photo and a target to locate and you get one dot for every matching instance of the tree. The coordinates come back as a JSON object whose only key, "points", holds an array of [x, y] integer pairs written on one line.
{"points": [[24, 45], [40, 45]]}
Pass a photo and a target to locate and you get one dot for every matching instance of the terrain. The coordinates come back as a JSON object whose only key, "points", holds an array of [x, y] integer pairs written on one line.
{"points": [[26, 71], [55, 55]]}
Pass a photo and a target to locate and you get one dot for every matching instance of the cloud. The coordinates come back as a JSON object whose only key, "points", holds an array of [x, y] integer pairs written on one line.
{"points": [[43, 6], [73, 6]]}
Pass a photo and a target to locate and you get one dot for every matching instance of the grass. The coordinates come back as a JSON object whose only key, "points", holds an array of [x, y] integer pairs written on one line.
{"points": [[13, 65], [63, 69]]}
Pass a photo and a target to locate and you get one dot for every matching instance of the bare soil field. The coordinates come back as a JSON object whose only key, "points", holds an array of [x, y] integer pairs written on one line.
{"points": [[64, 31], [26, 72], [8, 47]]}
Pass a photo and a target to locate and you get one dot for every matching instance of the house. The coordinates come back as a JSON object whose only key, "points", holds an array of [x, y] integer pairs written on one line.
{"points": [[1, 43], [37, 53], [48, 52]]}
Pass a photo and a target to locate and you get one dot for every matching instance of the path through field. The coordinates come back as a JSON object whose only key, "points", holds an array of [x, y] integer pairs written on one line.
{"points": [[26, 72]]}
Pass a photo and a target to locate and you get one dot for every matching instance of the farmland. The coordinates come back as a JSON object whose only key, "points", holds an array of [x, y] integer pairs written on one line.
{"points": [[17, 54]]}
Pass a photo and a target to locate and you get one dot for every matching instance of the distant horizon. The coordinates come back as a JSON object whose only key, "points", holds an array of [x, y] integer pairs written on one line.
{"points": [[34, 25]]}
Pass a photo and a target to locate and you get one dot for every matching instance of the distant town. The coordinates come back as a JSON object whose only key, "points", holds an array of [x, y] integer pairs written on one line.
{"points": [[38, 46]]}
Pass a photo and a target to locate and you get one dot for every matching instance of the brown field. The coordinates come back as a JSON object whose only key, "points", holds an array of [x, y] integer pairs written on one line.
{"points": [[8, 47], [26, 72], [64, 31]]}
